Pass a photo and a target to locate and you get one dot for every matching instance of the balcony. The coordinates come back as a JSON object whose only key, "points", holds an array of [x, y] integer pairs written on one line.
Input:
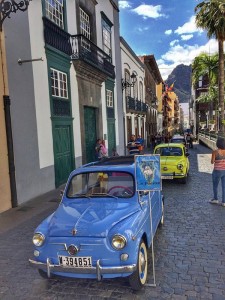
{"points": [[136, 106], [56, 37], [79, 48], [84, 50]]}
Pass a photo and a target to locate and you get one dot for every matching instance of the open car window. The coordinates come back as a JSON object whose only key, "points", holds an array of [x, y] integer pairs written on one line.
{"points": [[169, 151], [101, 184]]}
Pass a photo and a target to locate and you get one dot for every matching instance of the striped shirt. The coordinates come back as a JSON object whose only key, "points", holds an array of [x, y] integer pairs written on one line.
{"points": [[133, 147], [219, 163]]}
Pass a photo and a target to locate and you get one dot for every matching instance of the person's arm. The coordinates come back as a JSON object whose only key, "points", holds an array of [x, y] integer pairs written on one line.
{"points": [[213, 157]]}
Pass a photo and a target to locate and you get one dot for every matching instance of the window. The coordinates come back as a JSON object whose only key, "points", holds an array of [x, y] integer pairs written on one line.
{"points": [[109, 98], [127, 79], [85, 28], [59, 85], [135, 90], [141, 90], [106, 38], [54, 11]]}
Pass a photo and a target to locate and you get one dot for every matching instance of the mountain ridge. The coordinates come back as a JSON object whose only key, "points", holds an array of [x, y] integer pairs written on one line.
{"points": [[181, 77]]}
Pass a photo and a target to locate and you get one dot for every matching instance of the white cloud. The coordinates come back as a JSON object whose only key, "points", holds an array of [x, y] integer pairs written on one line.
{"points": [[168, 32], [189, 27], [149, 11], [124, 4], [183, 55], [186, 37], [141, 29], [172, 43]]}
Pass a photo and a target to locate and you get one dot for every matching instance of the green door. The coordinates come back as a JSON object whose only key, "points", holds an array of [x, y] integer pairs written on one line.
{"points": [[111, 136], [90, 132], [63, 154]]}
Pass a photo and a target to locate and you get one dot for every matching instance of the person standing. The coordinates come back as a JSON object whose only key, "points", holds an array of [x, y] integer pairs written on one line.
{"points": [[133, 146], [103, 149], [218, 174], [141, 141], [98, 146]]}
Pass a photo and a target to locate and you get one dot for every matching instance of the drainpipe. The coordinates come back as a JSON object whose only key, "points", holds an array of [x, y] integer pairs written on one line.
{"points": [[9, 138]]}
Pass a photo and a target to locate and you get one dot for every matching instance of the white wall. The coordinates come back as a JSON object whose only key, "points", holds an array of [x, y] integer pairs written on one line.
{"points": [[41, 89]]}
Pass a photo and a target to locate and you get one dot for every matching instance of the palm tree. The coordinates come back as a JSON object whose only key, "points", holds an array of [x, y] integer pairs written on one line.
{"points": [[205, 65], [210, 15]]}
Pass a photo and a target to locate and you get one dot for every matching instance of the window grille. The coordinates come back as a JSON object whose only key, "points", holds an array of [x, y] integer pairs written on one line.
{"points": [[109, 98], [59, 86], [106, 37], [54, 11]]}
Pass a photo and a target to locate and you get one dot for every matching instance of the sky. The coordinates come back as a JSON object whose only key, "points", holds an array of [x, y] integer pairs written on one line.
{"points": [[165, 29]]}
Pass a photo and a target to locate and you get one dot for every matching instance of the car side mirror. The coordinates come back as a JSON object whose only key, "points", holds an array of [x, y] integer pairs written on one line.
{"points": [[187, 154]]}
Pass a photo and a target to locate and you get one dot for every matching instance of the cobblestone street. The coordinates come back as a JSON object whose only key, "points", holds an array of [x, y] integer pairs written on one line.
{"points": [[189, 248]]}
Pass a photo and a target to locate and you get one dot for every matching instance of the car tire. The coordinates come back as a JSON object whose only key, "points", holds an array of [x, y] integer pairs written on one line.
{"points": [[43, 274], [161, 222], [184, 180], [138, 279]]}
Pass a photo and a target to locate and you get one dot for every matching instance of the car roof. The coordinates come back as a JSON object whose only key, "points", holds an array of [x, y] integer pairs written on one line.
{"points": [[112, 161]]}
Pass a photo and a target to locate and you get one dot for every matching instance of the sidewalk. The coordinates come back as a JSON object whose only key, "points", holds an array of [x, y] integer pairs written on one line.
{"points": [[16, 216]]}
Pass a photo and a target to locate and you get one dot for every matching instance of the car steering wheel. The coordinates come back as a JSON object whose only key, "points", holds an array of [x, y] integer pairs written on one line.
{"points": [[128, 190]]}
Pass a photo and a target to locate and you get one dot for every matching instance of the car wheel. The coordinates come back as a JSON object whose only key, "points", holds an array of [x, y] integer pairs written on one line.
{"points": [[184, 180], [161, 222], [139, 277], [43, 274]]}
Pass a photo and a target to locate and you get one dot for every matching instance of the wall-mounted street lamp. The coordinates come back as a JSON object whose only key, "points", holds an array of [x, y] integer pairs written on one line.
{"points": [[11, 6], [126, 84]]}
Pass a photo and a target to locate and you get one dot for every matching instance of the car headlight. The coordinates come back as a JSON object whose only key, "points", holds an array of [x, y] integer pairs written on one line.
{"points": [[38, 239], [119, 242], [180, 167]]}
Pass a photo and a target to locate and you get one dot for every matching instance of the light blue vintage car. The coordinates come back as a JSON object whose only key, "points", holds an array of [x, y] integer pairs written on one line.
{"points": [[102, 227]]}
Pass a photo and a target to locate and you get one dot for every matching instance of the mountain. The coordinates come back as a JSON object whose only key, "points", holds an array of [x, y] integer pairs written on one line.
{"points": [[181, 76]]}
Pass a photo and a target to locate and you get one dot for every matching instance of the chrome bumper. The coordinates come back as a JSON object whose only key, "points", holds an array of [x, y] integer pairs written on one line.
{"points": [[98, 270]]}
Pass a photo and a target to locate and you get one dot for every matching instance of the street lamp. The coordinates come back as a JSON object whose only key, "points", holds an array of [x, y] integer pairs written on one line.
{"points": [[126, 84], [11, 6]]}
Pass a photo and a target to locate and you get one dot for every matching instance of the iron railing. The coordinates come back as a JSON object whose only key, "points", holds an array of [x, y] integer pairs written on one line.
{"points": [[135, 105], [78, 47], [85, 50]]}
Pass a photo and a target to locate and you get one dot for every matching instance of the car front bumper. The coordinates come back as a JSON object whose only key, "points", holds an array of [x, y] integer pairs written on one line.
{"points": [[98, 270], [172, 175]]}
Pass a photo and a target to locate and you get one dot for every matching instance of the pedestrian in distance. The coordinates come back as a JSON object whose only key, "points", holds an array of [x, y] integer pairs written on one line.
{"points": [[133, 146], [218, 174], [141, 141], [103, 149], [98, 153]]}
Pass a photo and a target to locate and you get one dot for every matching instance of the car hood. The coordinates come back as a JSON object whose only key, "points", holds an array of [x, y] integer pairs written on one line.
{"points": [[170, 160], [90, 217]]}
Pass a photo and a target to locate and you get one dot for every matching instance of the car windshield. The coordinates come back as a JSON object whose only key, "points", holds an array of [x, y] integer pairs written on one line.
{"points": [[169, 151], [101, 184]]}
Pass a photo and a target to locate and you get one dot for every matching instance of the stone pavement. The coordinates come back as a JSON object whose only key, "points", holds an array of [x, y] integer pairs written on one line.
{"points": [[189, 248]]}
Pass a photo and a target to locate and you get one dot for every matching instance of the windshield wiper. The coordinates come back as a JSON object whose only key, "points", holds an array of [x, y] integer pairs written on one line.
{"points": [[111, 196]]}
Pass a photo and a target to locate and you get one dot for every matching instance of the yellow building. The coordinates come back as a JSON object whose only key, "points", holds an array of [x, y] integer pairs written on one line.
{"points": [[5, 200]]}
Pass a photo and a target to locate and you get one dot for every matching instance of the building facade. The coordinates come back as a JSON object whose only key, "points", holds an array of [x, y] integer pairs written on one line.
{"points": [[63, 88]]}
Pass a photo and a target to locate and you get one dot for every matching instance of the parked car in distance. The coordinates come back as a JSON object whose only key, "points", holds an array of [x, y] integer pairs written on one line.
{"points": [[179, 139], [174, 162], [102, 227]]}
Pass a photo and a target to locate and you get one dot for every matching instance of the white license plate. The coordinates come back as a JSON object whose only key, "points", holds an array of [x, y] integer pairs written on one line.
{"points": [[166, 177], [75, 262]]}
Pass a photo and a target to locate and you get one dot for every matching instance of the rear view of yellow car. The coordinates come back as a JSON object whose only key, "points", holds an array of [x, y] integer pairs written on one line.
{"points": [[174, 161]]}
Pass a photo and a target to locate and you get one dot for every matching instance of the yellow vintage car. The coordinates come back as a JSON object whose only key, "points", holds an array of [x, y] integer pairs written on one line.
{"points": [[174, 162]]}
